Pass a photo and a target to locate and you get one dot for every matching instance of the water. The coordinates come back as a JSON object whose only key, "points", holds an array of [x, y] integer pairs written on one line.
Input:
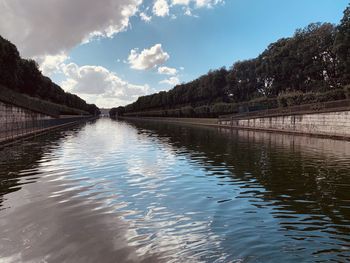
{"points": [[141, 191]]}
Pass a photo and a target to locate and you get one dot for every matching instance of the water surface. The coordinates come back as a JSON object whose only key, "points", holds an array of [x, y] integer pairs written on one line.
{"points": [[142, 191]]}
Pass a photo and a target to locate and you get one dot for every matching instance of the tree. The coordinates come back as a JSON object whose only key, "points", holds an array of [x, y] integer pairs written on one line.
{"points": [[342, 46], [24, 76], [9, 64]]}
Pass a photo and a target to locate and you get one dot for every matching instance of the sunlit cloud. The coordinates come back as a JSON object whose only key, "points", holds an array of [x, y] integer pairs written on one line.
{"points": [[101, 86], [161, 8], [171, 81], [147, 58], [167, 71], [51, 27]]}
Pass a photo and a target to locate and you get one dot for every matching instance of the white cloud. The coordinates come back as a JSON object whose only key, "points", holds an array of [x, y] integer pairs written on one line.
{"points": [[161, 8], [180, 2], [145, 17], [148, 58], [167, 71], [188, 11], [207, 3], [98, 85], [171, 81], [51, 64], [42, 27], [197, 3]]}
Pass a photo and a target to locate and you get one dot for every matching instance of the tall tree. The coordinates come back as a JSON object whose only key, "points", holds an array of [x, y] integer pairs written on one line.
{"points": [[342, 46]]}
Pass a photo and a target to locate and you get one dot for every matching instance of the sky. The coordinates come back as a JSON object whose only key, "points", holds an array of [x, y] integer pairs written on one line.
{"points": [[110, 52]]}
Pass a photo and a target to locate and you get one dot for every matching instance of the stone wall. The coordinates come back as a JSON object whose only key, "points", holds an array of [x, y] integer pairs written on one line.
{"points": [[16, 121], [11, 116], [328, 124]]}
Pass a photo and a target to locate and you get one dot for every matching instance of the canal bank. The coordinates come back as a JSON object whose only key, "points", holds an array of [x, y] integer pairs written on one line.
{"points": [[17, 123], [328, 120], [259, 124], [45, 127]]}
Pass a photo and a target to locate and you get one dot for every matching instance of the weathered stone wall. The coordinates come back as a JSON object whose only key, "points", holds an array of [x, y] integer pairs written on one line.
{"points": [[329, 123], [10, 114], [16, 121]]}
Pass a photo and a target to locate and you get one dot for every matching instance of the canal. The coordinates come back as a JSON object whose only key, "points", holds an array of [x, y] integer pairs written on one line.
{"points": [[144, 191]]}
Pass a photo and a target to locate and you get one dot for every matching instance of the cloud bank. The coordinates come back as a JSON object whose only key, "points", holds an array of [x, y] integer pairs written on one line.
{"points": [[101, 86], [50, 27]]}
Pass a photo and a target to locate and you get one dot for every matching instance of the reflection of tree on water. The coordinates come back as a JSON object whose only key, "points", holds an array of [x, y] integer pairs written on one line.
{"points": [[300, 183], [21, 159]]}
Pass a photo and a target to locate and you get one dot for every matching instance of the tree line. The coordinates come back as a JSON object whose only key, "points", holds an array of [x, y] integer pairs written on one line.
{"points": [[24, 76], [315, 61]]}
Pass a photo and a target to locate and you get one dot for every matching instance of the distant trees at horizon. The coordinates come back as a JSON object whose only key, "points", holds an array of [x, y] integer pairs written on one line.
{"points": [[24, 76], [316, 59]]}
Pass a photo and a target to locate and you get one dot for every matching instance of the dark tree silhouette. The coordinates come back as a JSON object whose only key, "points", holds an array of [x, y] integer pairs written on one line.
{"points": [[342, 46], [24, 76]]}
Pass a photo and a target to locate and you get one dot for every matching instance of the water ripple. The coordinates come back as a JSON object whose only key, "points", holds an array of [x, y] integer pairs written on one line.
{"points": [[151, 192]]}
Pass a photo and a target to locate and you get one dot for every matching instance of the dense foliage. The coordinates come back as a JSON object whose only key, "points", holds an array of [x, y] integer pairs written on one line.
{"points": [[315, 62], [36, 104], [23, 76]]}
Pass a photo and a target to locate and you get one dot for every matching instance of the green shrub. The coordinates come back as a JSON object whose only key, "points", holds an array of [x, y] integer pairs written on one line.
{"points": [[202, 111], [223, 108], [299, 98], [261, 103], [187, 111], [337, 94], [347, 91]]}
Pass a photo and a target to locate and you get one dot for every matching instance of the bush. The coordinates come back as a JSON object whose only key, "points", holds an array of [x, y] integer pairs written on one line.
{"points": [[202, 111], [347, 91], [223, 108], [263, 103], [187, 111], [290, 99], [337, 94], [299, 98]]}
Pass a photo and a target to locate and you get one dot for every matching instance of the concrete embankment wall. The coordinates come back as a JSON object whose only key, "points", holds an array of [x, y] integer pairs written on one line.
{"points": [[330, 124], [17, 122], [10, 114]]}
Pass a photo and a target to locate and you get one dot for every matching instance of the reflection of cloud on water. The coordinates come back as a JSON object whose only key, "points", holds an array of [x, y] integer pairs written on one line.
{"points": [[178, 238], [160, 228], [133, 174]]}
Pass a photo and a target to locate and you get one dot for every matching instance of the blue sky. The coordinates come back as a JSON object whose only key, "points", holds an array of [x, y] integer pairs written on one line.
{"points": [[215, 34]]}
